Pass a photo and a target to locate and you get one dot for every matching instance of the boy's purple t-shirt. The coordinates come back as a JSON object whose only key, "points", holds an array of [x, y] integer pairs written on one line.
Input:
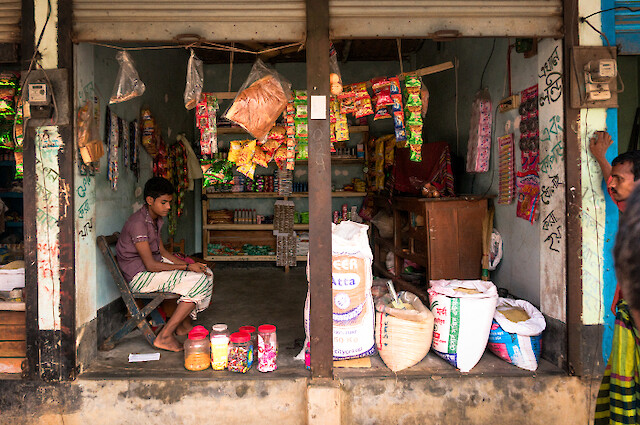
{"points": [[138, 228]]}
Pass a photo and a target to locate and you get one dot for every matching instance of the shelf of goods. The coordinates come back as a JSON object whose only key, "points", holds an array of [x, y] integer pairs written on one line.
{"points": [[236, 235], [441, 235], [255, 195]]}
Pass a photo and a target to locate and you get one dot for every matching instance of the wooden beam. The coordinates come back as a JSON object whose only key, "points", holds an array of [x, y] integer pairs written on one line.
{"points": [[320, 283]]}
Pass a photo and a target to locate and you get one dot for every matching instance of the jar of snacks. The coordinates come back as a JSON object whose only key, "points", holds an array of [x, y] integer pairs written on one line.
{"points": [[196, 349], [267, 348], [219, 346], [239, 347], [251, 330]]}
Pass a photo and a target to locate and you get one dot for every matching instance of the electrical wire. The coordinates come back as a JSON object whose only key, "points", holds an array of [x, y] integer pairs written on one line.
{"points": [[631, 9], [596, 30], [493, 46]]}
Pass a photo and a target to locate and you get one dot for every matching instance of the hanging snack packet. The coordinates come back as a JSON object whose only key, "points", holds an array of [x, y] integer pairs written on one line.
{"points": [[303, 149], [261, 158], [247, 152], [302, 128], [195, 81], [17, 154], [235, 149], [128, 84], [216, 171], [7, 104], [382, 89], [363, 101], [347, 101], [280, 156], [247, 169], [148, 124], [260, 100]]}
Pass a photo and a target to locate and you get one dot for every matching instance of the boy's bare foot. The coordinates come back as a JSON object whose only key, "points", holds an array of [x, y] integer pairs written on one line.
{"points": [[169, 343], [184, 328]]}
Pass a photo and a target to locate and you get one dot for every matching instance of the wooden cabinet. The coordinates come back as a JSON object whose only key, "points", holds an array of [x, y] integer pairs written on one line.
{"points": [[443, 235]]}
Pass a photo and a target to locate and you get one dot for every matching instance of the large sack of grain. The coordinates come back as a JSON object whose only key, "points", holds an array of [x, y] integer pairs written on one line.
{"points": [[353, 311], [463, 311], [403, 336], [516, 333]]}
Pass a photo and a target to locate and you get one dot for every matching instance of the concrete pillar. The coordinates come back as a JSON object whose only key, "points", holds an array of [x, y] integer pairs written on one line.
{"points": [[323, 402]]}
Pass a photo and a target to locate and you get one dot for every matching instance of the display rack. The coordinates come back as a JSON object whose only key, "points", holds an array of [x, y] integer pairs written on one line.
{"points": [[262, 234]]}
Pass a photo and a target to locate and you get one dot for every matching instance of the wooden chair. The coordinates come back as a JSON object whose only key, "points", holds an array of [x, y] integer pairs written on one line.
{"points": [[138, 316]]}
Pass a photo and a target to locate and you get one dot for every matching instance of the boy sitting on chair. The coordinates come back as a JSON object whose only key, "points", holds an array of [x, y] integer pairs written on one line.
{"points": [[148, 267]]}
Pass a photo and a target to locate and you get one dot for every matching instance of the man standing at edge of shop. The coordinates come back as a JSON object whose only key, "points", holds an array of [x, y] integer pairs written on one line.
{"points": [[622, 177]]}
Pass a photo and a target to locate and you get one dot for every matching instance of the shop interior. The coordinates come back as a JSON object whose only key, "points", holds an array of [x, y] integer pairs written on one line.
{"points": [[220, 226]]}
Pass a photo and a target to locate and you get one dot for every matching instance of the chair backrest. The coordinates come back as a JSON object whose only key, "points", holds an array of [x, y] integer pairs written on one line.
{"points": [[105, 243]]}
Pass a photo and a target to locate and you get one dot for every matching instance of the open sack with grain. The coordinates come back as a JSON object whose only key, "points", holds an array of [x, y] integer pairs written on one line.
{"points": [[516, 333], [463, 312], [403, 335]]}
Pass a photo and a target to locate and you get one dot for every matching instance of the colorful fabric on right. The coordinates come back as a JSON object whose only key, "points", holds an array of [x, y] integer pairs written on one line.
{"points": [[619, 396]]}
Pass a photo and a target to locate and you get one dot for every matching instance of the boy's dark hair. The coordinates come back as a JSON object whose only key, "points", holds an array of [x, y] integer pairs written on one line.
{"points": [[626, 252], [158, 186], [634, 158]]}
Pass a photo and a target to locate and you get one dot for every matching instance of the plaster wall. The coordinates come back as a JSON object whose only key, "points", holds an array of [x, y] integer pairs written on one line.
{"points": [[364, 401], [448, 119]]}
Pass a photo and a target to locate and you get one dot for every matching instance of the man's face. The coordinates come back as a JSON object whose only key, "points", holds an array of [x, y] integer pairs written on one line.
{"points": [[622, 183], [161, 205]]}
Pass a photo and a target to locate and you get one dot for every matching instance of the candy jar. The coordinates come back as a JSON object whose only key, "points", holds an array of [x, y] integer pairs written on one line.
{"points": [[267, 348], [196, 349], [219, 346], [253, 354], [239, 346]]}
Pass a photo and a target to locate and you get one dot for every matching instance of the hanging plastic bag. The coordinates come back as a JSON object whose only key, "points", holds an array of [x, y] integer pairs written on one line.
{"points": [[260, 100], [335, 78], [195, 82], [128, 84]]}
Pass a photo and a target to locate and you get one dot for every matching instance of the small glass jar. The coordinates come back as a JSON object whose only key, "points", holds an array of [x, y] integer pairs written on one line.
{"points": [[219, 346], [239, 347], [196, 349], [267, 348], [251, 330]]}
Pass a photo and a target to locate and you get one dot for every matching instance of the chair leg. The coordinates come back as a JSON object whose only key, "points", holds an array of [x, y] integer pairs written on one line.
{"points": [[139, 319]]}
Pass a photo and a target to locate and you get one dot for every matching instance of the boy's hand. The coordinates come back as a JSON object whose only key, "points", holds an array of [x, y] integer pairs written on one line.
{"points": [[198, 268], [599, 144]]}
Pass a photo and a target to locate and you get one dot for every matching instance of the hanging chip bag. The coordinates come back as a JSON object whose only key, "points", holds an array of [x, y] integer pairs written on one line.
{"points": [[128, 84], [260, 100]]}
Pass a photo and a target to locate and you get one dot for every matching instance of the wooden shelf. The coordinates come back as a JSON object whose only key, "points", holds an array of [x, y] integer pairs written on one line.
{"points": [[416, 258], [10, 194], [240, 130], [256, 195], [341, 161], [247, 258], [401, 284], [231, 226]]}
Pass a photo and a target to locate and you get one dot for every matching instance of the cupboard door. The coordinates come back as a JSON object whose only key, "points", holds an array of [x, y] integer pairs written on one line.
{"points": [[455, 239]]}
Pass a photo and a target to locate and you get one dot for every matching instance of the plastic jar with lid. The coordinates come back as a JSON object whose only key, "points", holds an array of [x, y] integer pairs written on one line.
{"points": [[196, 349], [239, 346], [251, 330], [267, 348], [219, 346]]}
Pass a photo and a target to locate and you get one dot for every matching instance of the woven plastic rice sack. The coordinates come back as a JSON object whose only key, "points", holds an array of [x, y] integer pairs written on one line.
{"points": [[516, 333], [463, 311], [353, 311], [403, 337]]}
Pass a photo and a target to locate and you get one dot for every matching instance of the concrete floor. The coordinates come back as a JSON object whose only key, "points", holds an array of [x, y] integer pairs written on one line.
{"points": [[253, 295]]}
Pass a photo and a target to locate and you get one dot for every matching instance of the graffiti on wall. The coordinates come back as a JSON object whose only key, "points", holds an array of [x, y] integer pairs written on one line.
{"points": [[552, 185], [48, 142]]}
